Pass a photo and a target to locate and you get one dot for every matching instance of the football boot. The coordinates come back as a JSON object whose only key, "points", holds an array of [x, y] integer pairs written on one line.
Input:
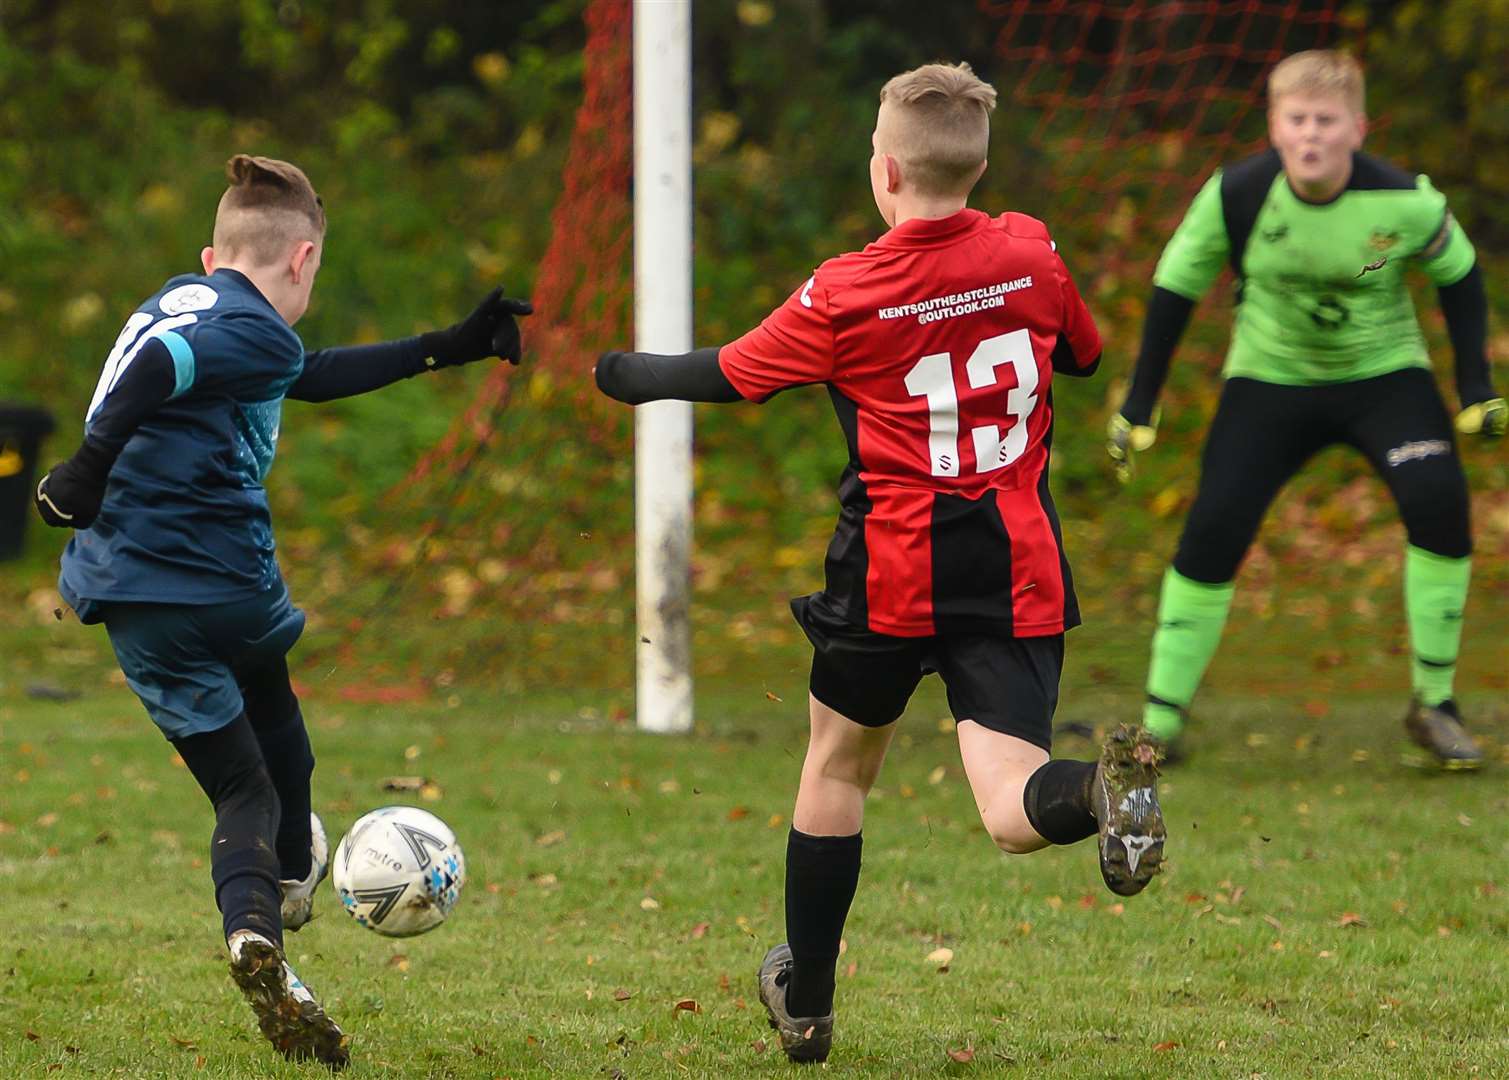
{"points": [[286, 1011], [1439, 738], [298, 896], [1124, 800], [805, 1039]]}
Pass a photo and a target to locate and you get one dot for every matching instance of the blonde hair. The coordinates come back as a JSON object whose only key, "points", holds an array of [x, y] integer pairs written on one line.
{"points": [[935, 119], [269, 206], [1319, 71]]}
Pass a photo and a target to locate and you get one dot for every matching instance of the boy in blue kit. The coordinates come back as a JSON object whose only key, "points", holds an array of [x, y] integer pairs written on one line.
{"points": [[173, 548]]}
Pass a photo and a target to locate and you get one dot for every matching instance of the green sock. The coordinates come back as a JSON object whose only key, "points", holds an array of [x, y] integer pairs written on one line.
{"points": [[1191, 616], [1435, 592]]}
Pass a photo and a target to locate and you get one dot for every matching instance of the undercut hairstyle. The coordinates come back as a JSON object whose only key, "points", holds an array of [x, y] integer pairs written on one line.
{"points": [[1319, 71], [935, 120], [269, 207]]}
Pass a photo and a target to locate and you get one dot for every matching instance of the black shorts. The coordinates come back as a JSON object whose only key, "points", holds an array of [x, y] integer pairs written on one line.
{"points": [[1007, 684], [1264, 433]]}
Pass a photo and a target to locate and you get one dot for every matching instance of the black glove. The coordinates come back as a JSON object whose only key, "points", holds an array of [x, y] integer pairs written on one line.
{"points": [[490, 330], [69, 496]]}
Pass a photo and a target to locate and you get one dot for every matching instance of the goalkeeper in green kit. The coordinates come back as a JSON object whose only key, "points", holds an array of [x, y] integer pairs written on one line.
{"points": [[1326, 350]]}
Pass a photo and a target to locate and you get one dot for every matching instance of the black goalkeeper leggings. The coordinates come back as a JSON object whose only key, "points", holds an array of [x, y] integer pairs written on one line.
{"points": [[1264, 433]]}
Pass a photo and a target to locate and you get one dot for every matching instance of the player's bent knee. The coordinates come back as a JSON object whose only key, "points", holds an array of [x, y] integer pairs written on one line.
{"points": [[1015, 845], [1438, 525], [1010, 833], [246, 789], [1210, 556], [853, 770]]}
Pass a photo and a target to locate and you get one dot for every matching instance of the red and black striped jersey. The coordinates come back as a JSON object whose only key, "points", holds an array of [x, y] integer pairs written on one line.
{"points": [[937, 343]]}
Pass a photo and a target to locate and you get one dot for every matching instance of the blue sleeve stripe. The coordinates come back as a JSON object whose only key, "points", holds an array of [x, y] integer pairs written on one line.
{"points": [[183, 362]]}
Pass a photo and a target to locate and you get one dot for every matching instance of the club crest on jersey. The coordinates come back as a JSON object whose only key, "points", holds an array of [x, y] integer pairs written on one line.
{"points": [[1329, 313], [186, 298]]}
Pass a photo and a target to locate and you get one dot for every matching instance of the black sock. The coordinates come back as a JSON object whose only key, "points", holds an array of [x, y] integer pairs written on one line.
{"points": [[228, 765], [821, 875], [1057, 801], [273, 710]]}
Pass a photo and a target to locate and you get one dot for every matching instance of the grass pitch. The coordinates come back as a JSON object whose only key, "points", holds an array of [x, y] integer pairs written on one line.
{"points": [[1324, 912]]}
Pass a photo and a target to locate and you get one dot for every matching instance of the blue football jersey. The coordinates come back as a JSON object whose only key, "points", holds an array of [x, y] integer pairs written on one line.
{"points": [[185, 517]]}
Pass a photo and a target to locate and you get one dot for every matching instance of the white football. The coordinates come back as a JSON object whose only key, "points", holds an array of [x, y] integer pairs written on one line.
{"points": [[399, 870]]}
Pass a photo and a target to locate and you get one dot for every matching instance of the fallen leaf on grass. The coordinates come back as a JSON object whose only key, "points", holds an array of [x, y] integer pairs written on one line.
{"points": [[621, 994], [738, 813], [758, 1046], [183, 1044], [687, 1005], [963, 1056], [32, 1036], [942, 957], [1170, 1045], [555, 836], [402, 783], [399, 961], [1351, 918], [700, 931], [649, 903], [771, 697]]}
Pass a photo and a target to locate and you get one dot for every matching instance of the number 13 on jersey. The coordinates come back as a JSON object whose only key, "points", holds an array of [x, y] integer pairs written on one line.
{"points": [[932, 377]]}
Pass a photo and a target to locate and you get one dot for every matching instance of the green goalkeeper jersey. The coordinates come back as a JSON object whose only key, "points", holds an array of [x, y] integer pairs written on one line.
{"points": [[1321, 291]]}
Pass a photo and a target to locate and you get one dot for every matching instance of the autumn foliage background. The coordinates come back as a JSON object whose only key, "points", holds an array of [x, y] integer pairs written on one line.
{"points": [[439, 137]]}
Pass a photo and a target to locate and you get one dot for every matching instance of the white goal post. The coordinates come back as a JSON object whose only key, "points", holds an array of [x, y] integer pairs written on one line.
{"points": [[663, 324]]}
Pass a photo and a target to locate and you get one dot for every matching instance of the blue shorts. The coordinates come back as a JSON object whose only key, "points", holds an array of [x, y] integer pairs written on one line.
{"points": [[184, 660]]}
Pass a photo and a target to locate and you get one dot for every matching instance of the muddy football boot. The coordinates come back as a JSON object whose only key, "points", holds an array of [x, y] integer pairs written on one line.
{"points": [[1124, 799], [805, 1039], [1438, 737], [286, 1011], [298, 896]]}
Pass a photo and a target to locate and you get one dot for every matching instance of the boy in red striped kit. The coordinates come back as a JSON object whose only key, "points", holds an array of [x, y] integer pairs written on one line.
{"points": [[937, 344]]}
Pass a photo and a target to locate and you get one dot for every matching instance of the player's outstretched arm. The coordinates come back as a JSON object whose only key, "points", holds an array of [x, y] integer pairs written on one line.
{"points": [[490, 330], [1134, 427], [635, 377], [1465, 305], [69, 496]]}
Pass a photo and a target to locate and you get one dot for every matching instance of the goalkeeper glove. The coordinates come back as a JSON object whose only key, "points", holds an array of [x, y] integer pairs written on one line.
{"points": [[1487, 418], [69, 496], [490, 330], [1125, 439]]}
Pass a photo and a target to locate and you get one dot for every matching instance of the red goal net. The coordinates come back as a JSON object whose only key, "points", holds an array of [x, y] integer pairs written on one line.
{"points": [[1121, 108]]}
